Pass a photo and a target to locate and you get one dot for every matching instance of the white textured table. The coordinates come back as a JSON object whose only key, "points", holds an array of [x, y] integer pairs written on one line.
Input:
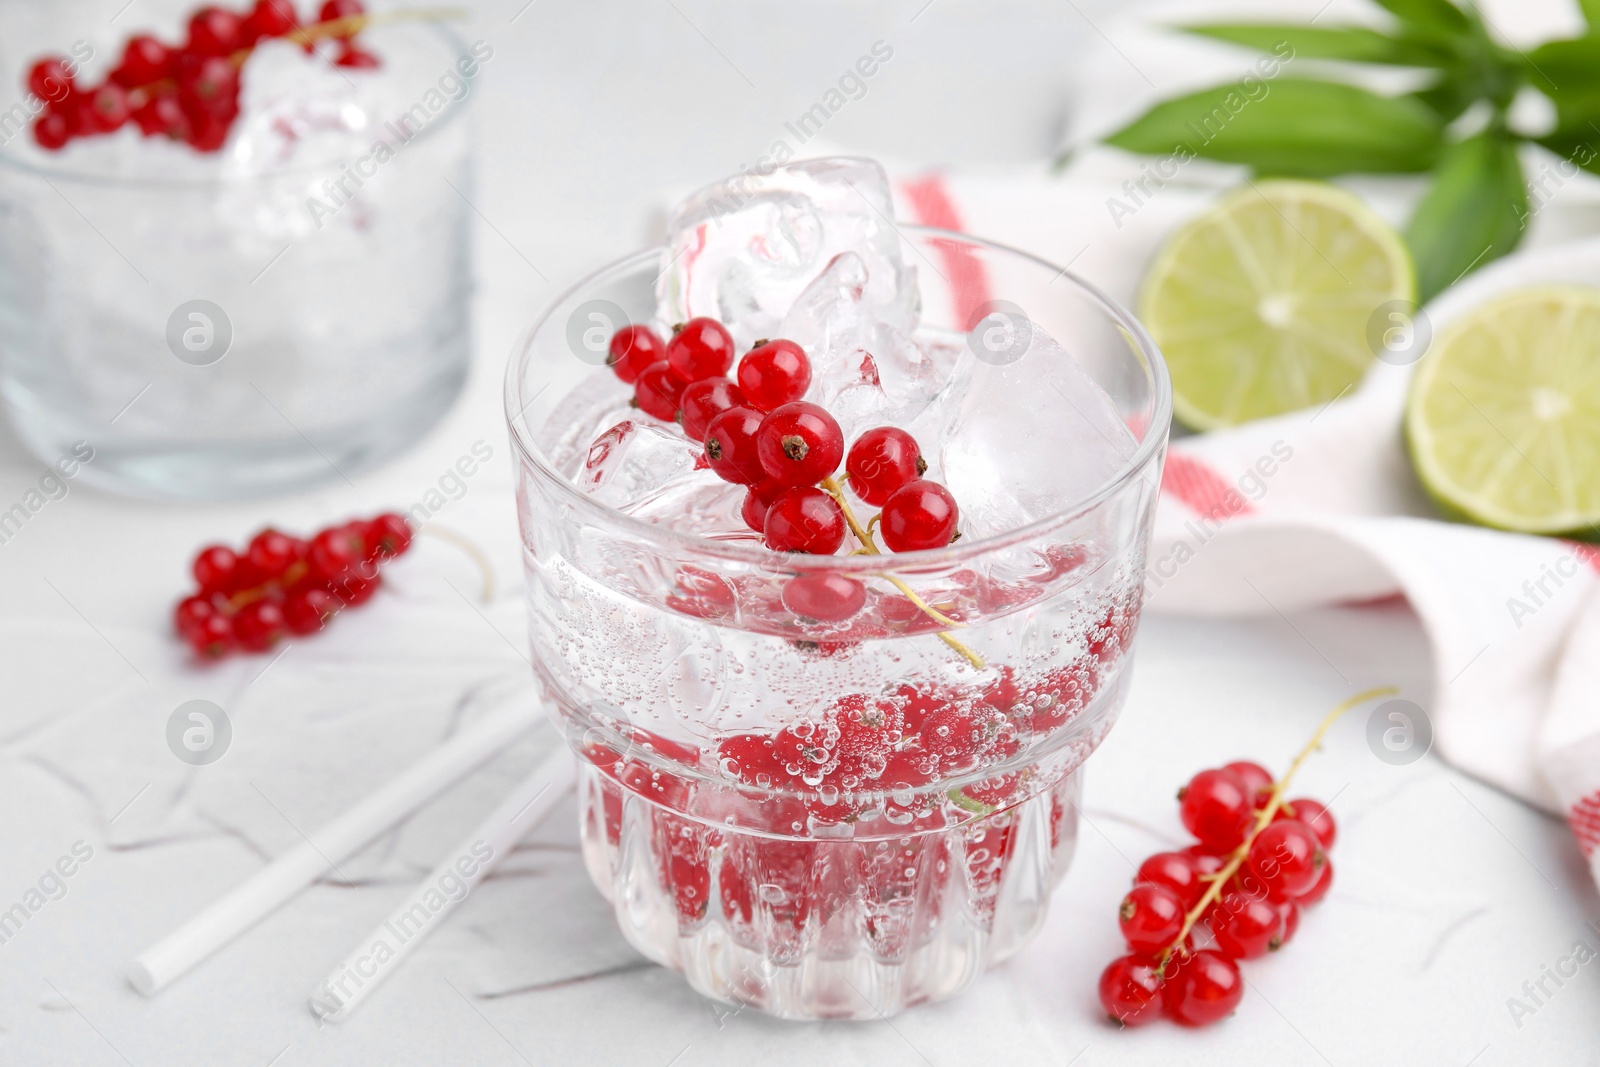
{"points": [[1449, 896]]}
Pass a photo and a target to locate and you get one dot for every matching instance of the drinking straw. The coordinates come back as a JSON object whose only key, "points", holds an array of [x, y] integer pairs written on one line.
{"points": [[422, 911], [284, 878]]}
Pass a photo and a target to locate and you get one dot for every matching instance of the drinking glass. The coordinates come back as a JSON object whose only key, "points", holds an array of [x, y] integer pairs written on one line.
{"points": [[196, 320], [714, 726]]}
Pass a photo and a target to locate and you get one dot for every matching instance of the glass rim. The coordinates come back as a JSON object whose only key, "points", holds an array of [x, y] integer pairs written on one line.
{"points": [[1149, 447], [13, 161]]}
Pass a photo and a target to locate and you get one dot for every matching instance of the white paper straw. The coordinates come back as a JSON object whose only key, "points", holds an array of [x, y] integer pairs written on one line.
{"points": [[423, 910], [296, 869]]}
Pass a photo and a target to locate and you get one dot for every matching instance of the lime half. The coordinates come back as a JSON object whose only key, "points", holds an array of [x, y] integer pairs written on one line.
{"points": [[1261, 305], [1504, 414]]}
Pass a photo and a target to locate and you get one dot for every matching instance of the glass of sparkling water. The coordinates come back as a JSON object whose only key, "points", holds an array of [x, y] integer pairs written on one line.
{"points": [[837, 820]]}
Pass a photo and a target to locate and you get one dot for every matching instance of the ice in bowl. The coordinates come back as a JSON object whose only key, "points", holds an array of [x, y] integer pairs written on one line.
{"points": [[834, 563]]}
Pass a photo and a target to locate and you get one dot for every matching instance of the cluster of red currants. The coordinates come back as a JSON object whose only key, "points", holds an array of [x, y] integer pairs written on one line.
{"points": [[758, 433], [188, 92], [1259, 860], [281, 585]]}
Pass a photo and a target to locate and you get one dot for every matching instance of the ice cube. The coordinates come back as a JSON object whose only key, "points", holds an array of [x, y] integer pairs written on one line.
{"points": [[633, 461], [864, 369], [1027, 438], [654, 473], [295, 110], [743, 250]]}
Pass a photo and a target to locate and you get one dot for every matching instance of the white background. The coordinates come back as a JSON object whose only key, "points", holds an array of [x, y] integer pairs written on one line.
{"points": [[1449, 896]]}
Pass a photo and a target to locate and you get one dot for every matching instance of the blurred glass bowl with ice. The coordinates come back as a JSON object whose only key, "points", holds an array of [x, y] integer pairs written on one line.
{"points": [[287, 311]]}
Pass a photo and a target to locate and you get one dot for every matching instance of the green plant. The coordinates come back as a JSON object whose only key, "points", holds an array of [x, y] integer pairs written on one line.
{"points": [[1456, 126]]}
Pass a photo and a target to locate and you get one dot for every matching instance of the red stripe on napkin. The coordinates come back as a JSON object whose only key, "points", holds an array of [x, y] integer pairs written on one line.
{"points": [[1201, 489], [964, 272], [1584, 818], [1589, 554]]}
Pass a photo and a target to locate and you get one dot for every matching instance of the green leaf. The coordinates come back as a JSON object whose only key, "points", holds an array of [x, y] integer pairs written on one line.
{"points": [[1437, 18], [1579, 143], [1473, 213], [1292, 127], [1591, 12], [1448, 96], [1568, 72], [1355, 44]]}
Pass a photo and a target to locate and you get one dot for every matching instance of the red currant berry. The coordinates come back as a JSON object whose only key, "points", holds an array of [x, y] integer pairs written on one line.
{"points": [[774, 374], [52, 131], [1215, 807], [1246, 927], [703, 401], [800, 444], [356, 57], [1287, 857], [108, 109], [1257, 781], [731, 447], [1206, 988], [191, 614], [269, 18], [163, 116], [388, 536], [214, 31], [1131, 990], [357, 587], [1314, 814], [209, 132], [702, 349], [1319, 888], [1205, 860], [881, 462], [214, 569], [50, 80], [657, 391], [259, 625], [1151, 917], [1178, 871], [207, 85], [335, 551], [144, 60], [703, 594], [954, 739], [341, 9], [804, 519], [212, 637], [1290, 912], [920, 515], [308, 610], [757, 501], [272, 553], [824, 597], [633, 348]]}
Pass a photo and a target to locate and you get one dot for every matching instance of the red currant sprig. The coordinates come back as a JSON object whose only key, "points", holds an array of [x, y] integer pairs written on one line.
{"points": [[1259, 860], [759, 433], [188, 92], [282, 585]]}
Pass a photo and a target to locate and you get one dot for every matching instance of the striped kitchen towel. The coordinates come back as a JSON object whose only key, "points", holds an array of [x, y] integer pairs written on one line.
{"points": [[1320, 507]]}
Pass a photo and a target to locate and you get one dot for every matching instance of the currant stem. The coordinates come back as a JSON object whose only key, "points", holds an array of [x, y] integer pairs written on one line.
{"points": [[348, 26], [470, 547], [870, 547], [351, 25], [1236, 858], [296, 571]]}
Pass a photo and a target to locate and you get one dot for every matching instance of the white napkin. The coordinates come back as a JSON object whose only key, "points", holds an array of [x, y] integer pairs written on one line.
{"points": [[1321, 507]]}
